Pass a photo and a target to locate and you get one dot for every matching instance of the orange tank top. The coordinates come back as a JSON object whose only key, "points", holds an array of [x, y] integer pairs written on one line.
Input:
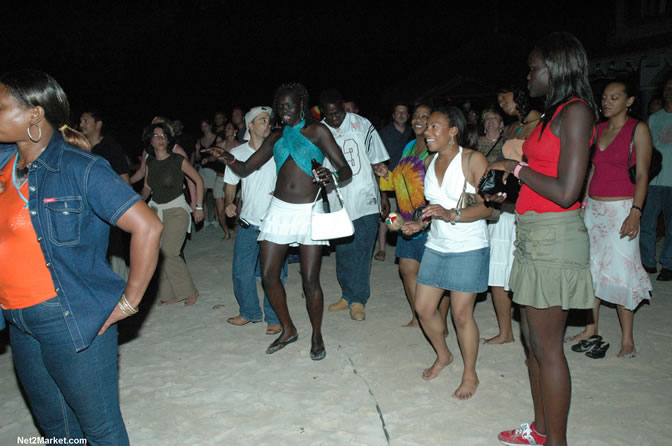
{"points": [[24, 277]]}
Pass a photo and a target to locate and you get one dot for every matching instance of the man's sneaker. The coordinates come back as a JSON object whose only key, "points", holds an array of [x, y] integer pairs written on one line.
{"points": [[525, 434]]}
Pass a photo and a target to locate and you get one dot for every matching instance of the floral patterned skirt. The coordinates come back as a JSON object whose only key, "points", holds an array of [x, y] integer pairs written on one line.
{"points": [[615, 263]]}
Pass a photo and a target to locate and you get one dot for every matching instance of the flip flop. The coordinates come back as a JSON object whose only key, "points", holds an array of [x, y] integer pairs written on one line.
{"points": [[599, 351], [279, 345], [586, 345], [380, 256], [318, 354], [630, 355]]}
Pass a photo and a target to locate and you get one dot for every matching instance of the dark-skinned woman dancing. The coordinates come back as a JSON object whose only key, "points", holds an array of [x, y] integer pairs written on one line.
{"points": [[287, 222]]}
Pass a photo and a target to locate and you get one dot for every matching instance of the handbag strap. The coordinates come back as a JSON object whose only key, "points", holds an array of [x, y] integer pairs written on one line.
{"points": [[632, 142], [494, 145], [338, 192], [464, 187]]}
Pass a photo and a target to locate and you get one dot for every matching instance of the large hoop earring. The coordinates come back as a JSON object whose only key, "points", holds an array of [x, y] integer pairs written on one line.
{"points": [[39, 134], [302, 115]]}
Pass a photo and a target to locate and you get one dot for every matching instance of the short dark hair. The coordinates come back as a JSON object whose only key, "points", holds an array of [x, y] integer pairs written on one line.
{"points": [[629, 85], [98, 116], [302, 93], [466, 134], [149, 131], [399, 103], [331, 96], [422, 101]]}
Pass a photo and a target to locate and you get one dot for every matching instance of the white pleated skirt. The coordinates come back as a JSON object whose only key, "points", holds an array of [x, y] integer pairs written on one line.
{"points": [[502, 236], [288, 224]]}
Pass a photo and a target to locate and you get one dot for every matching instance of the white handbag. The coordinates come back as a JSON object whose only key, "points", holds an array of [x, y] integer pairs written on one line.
{"points": [[332, 225]]}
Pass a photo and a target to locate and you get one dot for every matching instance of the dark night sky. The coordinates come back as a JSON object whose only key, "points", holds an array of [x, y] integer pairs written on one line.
{"points": [[188, 59]]}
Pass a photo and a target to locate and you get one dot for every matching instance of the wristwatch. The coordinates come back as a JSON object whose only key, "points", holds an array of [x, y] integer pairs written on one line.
{"points": [[458, 215], [198, 207]]}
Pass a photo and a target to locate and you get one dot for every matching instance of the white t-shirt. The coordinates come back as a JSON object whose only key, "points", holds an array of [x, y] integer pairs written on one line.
{"points": [[257, 188], [361, 146], [443, 236]]}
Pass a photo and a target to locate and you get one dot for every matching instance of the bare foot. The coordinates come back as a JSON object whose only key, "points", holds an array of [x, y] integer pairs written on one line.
{"points": [[433, 371], [467, 388], [627, 351], [414, 323], [579, 336], [191, 300], [499, 339]]}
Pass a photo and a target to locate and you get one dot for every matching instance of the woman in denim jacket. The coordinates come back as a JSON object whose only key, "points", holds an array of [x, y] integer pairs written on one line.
{"points": [[58, 294]]}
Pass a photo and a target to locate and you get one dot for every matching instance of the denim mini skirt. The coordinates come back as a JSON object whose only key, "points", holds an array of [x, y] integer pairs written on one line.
{"points": [[466, 272]]}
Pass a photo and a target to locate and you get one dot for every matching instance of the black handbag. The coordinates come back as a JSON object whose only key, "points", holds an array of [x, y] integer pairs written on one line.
{"points": [[656, 161], [492, 184]]}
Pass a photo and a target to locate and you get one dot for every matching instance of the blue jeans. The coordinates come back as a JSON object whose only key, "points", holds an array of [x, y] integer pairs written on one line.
{"points": [[658, 199], [72, 395], [353, 260], [246, 254]]}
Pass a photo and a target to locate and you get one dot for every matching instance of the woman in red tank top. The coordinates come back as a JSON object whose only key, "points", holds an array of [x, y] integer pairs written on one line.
{"points": [[613, 207], [551, 272]]}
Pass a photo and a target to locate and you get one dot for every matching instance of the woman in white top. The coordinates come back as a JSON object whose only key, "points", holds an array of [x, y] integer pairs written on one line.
{"points": [[457, 252]]}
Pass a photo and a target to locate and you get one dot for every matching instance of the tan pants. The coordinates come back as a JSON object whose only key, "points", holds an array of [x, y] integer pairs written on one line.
{"points": [[117, 253], [174, 278]]}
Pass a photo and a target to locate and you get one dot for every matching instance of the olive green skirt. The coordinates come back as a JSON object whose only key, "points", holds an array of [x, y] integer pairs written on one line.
{"points": [[551, 266]]}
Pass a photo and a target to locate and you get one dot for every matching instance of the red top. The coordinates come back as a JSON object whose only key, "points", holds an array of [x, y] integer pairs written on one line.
{"points": [[542, 156], [25, 279], [610, 178]]}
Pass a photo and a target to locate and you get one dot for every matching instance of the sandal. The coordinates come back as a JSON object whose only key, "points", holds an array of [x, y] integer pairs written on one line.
{"points": [[318, 354], [380, 256], [279, 345], [586, 345], [599, 351], [630, 355]]}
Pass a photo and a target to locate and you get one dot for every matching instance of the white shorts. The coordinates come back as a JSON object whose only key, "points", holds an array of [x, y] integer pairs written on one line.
{"points": [[218, 190], [209, 177], [288, 224]]}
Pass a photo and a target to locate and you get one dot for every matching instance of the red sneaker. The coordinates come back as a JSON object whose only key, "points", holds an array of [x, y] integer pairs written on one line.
{"points": [[525, 434]]}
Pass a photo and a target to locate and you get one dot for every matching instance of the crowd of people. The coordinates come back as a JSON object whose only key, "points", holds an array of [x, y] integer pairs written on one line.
{"points": [[570, 239]]}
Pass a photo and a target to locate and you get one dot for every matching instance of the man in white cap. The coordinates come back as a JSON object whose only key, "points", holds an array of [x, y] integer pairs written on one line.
{"points": [[366, 154], [257, 190]]}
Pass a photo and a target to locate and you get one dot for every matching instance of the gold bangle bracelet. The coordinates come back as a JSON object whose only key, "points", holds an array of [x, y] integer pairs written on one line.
{"points": [[126, 307]]}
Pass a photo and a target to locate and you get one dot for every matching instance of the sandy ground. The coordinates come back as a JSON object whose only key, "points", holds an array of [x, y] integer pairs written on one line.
{"points": [[189, 378]]}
